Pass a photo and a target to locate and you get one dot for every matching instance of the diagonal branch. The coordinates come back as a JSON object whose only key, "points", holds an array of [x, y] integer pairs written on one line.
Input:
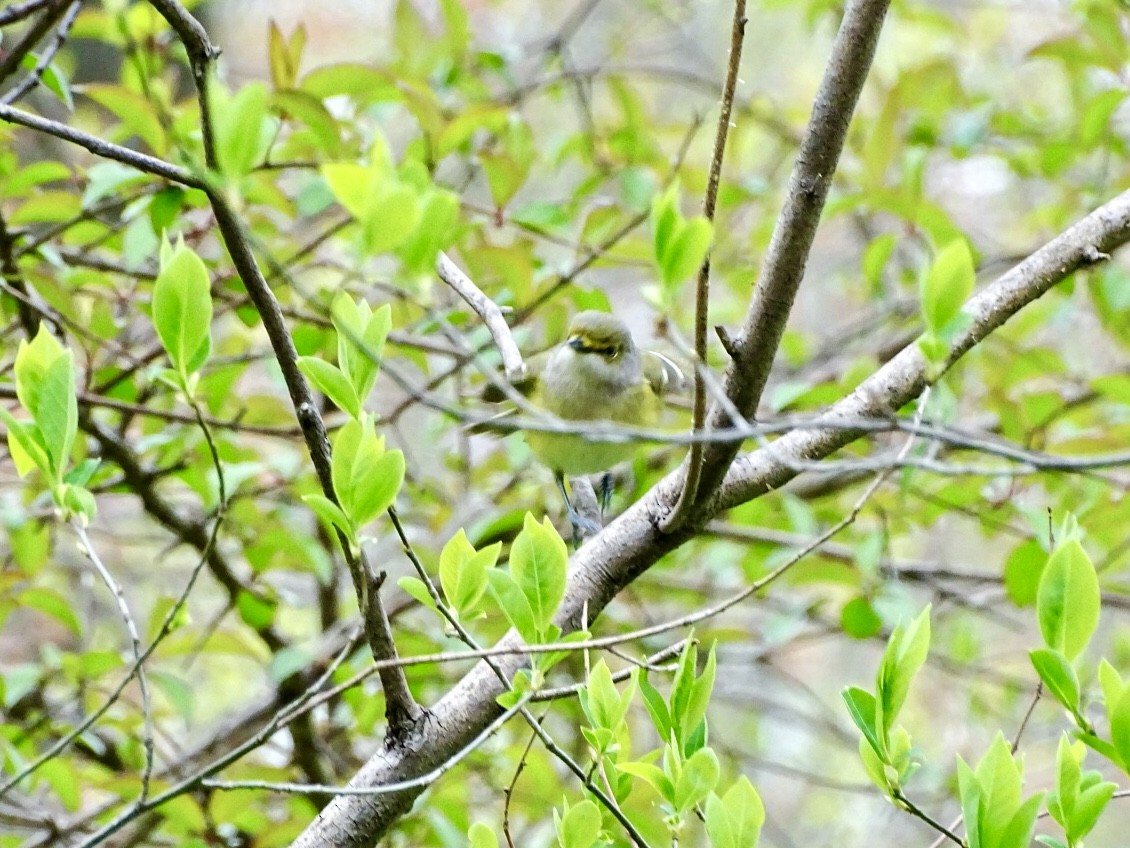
{"points": [[783, 268], [401, 710], [632, 543]]}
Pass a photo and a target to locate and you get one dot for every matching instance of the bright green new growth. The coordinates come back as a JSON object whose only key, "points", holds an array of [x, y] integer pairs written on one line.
{"points": [[45, 387]]}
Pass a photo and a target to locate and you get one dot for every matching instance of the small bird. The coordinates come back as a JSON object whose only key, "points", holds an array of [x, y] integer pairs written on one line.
{"points": [[597, 374]]}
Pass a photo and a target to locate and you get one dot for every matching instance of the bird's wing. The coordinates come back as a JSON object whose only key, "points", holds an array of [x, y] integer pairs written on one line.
{"points": [[524, 385], [494, 425], [662, 373]]}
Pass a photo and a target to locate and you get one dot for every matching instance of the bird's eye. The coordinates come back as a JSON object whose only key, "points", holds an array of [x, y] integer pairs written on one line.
{"points": [[613, 353]]}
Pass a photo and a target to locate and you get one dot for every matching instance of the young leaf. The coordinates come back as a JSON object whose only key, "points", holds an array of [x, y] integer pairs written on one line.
{"points": [[377, 478], [463, 572], [906, 651], [697, 779], [182, 308], [329, 512], [946, 285], [1059, 676], [57, 414], [239, 127], [735, 819], [329, 380], [580, 826], [861, 707], [1068, 600], [538, 559], [481, 836], [514, 605]]}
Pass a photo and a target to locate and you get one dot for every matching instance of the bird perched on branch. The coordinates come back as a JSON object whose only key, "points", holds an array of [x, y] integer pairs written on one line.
{"points": [[597, 374]]}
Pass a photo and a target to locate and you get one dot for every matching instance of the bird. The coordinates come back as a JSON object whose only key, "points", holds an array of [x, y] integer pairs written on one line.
{"points": [[597, 374]]}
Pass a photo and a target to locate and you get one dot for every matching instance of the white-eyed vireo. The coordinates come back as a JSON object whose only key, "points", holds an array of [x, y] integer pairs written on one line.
{"points": [[597, 374]]}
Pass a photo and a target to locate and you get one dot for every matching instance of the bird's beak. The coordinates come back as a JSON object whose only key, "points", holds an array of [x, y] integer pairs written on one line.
{"points": [[578, 344]]}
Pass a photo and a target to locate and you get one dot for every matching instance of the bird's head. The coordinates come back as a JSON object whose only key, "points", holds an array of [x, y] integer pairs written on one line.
{"points": [[598, 353], [600, 334]]}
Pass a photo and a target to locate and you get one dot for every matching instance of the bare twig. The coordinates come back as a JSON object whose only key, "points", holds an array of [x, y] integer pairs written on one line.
{"points": [[32, 79], [486, 309], [693, 462], [15, 55], [785, 260], [100, 147], [87, 548]]}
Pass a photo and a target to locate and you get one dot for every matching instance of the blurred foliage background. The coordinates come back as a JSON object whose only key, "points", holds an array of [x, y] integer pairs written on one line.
{"points": [[532, 138]]}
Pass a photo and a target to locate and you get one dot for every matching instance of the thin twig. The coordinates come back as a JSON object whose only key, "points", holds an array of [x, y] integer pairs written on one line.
{"points": [[486, 309], [102, 148], [688, 495], [46, 57], [87, 548], [783, 268]]}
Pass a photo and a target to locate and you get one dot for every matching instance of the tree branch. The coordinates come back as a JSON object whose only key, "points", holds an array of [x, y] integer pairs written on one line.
{"points": [[632, 543], [783, 268], [693, 462]]}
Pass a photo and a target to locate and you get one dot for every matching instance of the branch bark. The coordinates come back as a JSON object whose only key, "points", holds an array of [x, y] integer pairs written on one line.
{"points": [[783, 269], [633, 542]]}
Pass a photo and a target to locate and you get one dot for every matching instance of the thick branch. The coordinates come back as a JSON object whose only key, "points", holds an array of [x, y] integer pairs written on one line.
{"points": [[785, 260], [632, 543]]}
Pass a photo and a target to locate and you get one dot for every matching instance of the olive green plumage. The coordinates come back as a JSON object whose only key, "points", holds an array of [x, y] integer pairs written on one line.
{"points": [[597, 374]]}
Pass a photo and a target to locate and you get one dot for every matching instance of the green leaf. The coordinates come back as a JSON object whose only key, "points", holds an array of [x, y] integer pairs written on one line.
{"points": [[906, 651], [1061, 804], [538, 560], [653, 776], [1089, 806], [998, 776], [697, 779], [514, 604], [665, 220], [50, 602], [1068, 600], [1120, 729], [1022, 572], [580, 826], [687, 251], [735, 819], [859, 619], [350, 184], [239, 123], [601, 702], [415, 587], [656, 706], [439, 215], [861, 707], [32, 361], [481, 836], [972, 804], [329, 512], [391, 216], [946, 285], [1019, 829], [182, 308], [76, 501], [346, 446], [875, 259], [256, 611], [57, 413], [377, 478], [693, 712], [1059, 676], [26, 446], [329, 380], [463, 572]]}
